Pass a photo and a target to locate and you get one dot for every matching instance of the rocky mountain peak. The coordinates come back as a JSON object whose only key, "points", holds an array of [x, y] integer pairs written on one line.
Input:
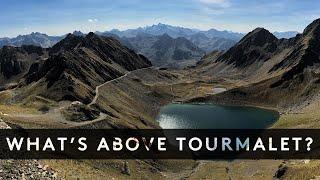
{"points": [[69, 42], [92, 37], [81, 64], [313, 29], [78, 33], [91, 34], [37, 33], [259, 37], [161, 24], [258, 45], [69, 36]]}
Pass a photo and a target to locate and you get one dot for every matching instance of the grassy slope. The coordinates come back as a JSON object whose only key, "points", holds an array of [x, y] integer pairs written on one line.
{"points": [[122, 100], [173, 89]]}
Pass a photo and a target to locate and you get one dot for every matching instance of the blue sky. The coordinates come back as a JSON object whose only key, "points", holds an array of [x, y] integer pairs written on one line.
{"points": [[56, 17]]}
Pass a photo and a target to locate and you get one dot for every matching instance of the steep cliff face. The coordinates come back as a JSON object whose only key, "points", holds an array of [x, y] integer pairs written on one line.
{"points": [[16, 61]]}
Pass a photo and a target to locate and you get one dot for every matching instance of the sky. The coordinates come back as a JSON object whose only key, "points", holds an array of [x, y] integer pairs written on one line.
{"points": [[57, 17]]}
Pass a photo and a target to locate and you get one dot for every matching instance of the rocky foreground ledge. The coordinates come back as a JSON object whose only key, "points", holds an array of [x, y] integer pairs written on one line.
{"points": [[24, 169]]}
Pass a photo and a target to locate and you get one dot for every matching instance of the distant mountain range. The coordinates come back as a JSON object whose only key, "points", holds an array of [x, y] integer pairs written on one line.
{"points": [[163, 50], [35, 38], [176, 31], [211, 44], [179, 46], [287, 34]]}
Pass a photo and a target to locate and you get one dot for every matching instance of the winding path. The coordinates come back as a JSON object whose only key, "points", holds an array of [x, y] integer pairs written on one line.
{"points": [[118, 78]]}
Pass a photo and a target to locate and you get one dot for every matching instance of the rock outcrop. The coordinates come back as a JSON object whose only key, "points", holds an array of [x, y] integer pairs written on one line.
{"points": [[15, 62]]}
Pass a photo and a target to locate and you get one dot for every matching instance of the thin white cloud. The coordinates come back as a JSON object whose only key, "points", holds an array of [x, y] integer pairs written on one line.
{"points": [[222, 3], [93, 20], [213, 1]]}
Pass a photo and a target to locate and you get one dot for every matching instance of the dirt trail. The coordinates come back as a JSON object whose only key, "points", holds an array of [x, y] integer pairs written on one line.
{"points": [[125, 75], [54, 117]]}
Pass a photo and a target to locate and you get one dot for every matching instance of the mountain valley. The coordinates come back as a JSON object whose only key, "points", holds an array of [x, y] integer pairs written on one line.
{"points": [[98, 81]]}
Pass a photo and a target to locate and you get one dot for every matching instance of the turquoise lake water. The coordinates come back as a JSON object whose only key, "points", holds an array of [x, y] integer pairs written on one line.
{"points": [[207, 116]]}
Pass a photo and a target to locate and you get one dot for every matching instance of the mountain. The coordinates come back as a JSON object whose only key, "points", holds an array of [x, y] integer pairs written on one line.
{"points": [[78, 33], [272, 68], [193, 46], [207, 40], [211, 44], [176, 31], [287, 34], [35, 38], [159, 29], [143, 39], [257, 45], [211, 33], [177, 49], [254, 54], [16, 61], [124, 41], [164, 50], [141, 43], [77, 64]]}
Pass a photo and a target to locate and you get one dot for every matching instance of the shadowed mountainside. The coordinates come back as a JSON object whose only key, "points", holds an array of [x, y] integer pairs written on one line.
{"points": [[272, 68], [164, 50], [78, 64], [15, 62]]}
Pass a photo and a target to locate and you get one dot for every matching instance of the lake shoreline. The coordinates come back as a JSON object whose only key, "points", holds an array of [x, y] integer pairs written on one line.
{"points": [[213, 116]]}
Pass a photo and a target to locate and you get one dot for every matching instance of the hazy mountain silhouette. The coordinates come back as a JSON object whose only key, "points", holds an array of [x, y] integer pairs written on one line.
{"points": [[164, 50], [36, 38], [143, 39], [286, 34]]}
